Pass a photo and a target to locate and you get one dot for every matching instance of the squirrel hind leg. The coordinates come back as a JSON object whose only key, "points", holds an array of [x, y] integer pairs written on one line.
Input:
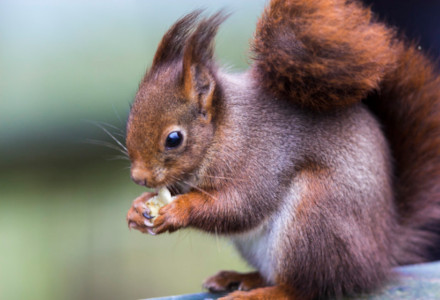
{"points": [[229, 280]]}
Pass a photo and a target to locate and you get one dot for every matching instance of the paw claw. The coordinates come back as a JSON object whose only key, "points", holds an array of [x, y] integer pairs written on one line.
{"points": [[147, 216], [138, 216]]}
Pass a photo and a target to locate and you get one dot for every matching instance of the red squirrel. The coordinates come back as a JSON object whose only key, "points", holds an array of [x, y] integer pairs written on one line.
{"points": [[321, 162]]}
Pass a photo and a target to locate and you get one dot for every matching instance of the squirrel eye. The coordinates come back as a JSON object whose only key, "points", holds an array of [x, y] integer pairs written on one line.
{"points": [[174, 139]]}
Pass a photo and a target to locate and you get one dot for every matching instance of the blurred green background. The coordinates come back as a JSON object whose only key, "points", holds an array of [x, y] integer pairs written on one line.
{"points": [[63, 200]]}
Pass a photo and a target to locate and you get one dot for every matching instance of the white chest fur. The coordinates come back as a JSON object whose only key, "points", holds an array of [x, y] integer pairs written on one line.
{"points": [[256, 247], [259, 246]]}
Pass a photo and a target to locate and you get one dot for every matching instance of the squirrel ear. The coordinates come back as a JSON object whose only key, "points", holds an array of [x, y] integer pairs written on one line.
{"points": [[199, 86], [198, 77], [171, 45]]}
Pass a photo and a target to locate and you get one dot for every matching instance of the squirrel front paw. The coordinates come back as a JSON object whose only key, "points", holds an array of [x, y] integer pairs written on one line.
{"points": [[172, 216], [138, 216]]}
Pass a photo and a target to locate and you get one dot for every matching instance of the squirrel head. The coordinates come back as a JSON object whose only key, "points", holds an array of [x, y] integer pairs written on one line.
{"points": [[172, 121]]}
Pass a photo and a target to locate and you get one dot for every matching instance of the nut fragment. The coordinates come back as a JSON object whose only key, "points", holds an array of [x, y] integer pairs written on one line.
{"points": [[161, 199]]}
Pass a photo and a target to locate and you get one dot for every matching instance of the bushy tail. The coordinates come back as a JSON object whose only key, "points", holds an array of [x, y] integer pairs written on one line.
{"points": [[408, 105], [324, 55], [321, 54]]}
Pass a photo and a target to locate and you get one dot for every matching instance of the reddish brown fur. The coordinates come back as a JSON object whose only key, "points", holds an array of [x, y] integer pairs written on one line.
{"points": [[142, 137], [345, 225], [332, 54], [408, 105], [321, 54], [182, 83]]}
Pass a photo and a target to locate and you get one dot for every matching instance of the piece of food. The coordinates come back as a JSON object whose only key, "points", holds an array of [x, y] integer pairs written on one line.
{"points": [[155, 203]]}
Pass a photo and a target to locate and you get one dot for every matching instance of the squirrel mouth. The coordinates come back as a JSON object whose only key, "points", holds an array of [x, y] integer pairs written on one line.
{"points": [[177, 188]]}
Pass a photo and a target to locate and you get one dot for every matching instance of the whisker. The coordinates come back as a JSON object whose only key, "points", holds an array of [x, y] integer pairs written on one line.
{"points": [[106, 124], [226, 178], [219, 177], [106, 144], [199, 189], [119, 157], [121, 135], [117, 114], [112, 136]]}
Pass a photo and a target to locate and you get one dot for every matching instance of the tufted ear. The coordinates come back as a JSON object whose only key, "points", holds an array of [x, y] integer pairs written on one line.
{"points": [[199, 87], [172, 44], [198, 66]]}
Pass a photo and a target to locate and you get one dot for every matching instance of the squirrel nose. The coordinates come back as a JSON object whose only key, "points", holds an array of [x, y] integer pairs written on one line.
{"points": [[140, 181], [139, 176]]}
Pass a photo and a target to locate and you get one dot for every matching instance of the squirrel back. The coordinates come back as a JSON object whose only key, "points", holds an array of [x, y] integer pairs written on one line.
{"points": [[327, 55]]}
